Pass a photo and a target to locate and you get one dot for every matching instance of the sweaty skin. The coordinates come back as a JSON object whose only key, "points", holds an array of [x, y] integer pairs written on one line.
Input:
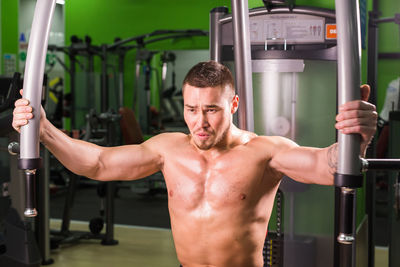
{"points": [[221, 180]]}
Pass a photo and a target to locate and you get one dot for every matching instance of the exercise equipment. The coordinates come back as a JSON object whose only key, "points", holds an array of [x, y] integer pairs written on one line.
{"points": [[374, 56], [285, 94], [18, 245], [33, 79], [228, 32], [147, 116], [81, 54], [98, 129]]}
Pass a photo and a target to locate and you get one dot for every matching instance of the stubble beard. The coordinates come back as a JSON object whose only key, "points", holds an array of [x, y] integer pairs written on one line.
{"points": [[207, 144]]}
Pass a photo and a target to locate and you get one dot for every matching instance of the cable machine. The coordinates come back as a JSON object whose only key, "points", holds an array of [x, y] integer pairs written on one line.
{"points": [[393, 184], [348, 52]]}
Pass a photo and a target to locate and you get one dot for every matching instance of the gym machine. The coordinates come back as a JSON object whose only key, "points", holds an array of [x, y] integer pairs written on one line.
{"points": [[98, 130], [79, 49], [18, 245], [144, 70], [393, 183], [348, 176], [30, 160], [284, 83]]}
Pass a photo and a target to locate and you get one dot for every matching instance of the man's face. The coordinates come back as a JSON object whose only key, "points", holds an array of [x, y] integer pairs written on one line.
{"points": [[208, 114]]}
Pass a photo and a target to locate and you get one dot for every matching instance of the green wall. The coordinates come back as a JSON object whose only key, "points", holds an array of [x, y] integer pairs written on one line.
{"points": [[9, 30], [104, 20]]}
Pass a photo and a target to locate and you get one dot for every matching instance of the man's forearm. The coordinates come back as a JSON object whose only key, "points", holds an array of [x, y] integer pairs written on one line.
{"points": [[333, 152], [332, 158], [78, 156]]}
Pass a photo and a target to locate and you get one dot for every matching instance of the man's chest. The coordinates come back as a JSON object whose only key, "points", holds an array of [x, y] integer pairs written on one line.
{"points": [[225, 181]]}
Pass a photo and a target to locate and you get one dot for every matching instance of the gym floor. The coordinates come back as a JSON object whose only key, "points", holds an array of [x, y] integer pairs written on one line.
{"points": [[138, 246]]}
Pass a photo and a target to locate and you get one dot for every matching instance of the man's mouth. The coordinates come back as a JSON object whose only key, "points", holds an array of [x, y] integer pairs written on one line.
{"points": [[203, 136]]}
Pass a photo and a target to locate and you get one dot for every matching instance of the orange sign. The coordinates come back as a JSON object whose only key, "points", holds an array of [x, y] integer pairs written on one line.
{"points": [[331, 31]]}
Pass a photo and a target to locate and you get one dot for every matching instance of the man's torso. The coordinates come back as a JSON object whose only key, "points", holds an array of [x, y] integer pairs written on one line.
{"points": [[219, 203]]}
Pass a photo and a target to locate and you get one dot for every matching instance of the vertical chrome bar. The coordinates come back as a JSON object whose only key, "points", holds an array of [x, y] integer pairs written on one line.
{"points": [[33, 76], [348, 175], [33, 84], [243, 71], [294, 103], [215, 32], [349, 54]]}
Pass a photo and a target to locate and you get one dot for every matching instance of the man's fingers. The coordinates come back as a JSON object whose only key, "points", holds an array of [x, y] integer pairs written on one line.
{"points": [[21, 91], [23, 116], [355, 122], [21, 102], [352, 114], [365, 131], [365, 91], [22, 109], [357, 104], [16, 124]]}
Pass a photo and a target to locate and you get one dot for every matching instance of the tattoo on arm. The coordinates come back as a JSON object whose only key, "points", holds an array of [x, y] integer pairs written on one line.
{"points": [[332, 155]]}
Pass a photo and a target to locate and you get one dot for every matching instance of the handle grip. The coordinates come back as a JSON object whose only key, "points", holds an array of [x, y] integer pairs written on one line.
{"points": [[30, 201]]}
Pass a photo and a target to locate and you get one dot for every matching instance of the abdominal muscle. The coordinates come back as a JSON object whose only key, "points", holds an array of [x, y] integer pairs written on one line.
{"points": [[226, 236]]}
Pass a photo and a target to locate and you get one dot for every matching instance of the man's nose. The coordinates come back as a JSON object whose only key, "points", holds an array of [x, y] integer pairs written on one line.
{"points": [[203, 120]]}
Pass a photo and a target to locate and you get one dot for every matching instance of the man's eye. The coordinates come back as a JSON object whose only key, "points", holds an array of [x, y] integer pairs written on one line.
{"points": [[211, 110]]}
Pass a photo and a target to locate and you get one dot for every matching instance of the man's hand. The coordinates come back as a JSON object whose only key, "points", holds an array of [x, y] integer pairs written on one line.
{"points": [[358, 117], [23, 113]]}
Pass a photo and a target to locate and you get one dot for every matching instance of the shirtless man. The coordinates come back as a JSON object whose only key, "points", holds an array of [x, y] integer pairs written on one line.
{"points": [[221, 180]]}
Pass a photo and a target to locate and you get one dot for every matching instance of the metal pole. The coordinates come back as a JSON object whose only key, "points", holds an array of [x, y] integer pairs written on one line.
{"points": [[215, 32], [33, 82], [72, 58], [243, 71], [104, 80], [371, 176], [348, 176], [121, 58]]}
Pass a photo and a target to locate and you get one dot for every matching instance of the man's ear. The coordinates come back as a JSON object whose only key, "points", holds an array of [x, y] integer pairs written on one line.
{"points": [[235, 104]]}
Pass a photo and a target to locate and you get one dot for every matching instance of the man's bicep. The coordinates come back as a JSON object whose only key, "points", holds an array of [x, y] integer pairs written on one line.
{"points": [[129, 162], [303, 164], [281, 153]]}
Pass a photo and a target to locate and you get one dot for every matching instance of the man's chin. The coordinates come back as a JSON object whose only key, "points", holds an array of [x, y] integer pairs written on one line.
{"points": [[203, 146]]}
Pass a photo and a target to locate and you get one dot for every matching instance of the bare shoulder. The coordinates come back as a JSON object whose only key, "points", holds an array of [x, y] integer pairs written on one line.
{"points": [[165, 140], [274, 144]]}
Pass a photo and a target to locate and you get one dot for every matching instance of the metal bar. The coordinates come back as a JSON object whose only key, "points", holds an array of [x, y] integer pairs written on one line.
{"points": [[382, 164], [109, 215], [72, 89], [384, 20], [121, 58], [215, 32], [393, 55], [33, 76], [104, 80], [33, 84], [243, 72], [349, 54], [372, 71], [297, 10], [154, 33], [348, 175], [175, 36]]}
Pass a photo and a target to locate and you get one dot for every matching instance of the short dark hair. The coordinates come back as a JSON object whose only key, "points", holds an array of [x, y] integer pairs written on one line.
{"points": [[209, 74]]}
